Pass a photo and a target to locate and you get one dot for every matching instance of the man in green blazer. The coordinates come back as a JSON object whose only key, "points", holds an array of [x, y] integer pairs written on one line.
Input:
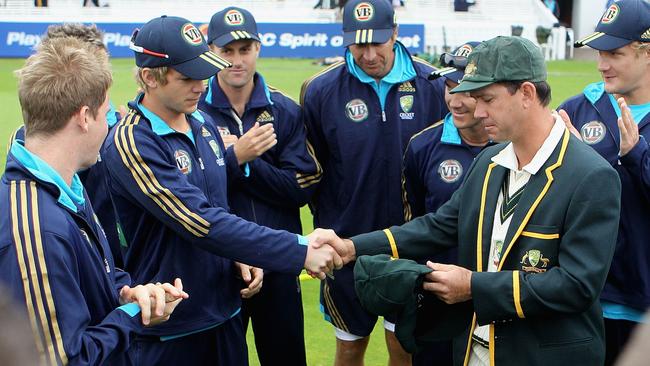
{"points": [[535, 223]]}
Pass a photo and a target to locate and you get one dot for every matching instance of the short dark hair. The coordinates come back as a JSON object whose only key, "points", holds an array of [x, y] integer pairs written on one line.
{"points": [[542, 87]]}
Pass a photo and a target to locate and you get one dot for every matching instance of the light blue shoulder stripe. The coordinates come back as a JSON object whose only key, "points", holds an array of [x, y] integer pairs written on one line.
{"points": [[594, 91], [68, 195], [450, 133]]}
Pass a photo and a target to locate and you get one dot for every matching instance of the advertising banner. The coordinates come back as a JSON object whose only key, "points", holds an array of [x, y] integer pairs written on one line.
{"points": [[296, 40]]}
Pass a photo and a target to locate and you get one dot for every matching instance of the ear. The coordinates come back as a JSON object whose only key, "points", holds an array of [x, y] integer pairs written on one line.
{"points": [[394, 36], [148, 78], [529, 93], [80, 118]]}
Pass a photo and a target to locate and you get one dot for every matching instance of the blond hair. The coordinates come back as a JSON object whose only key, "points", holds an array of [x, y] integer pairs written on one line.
{"points": [[159, 74], [87, 33], [64, 75]]}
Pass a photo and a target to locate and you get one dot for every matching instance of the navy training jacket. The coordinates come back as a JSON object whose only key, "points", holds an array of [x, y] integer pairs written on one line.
{"points": [[56, 262], [592, 113], [171, 200], [94, 181], [282, 179], [360, 143]]}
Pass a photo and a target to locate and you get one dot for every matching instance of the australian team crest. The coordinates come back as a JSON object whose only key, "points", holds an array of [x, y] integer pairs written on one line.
{"points": [[450, 171], [470, 69], [217, 151], [593, 132], [205, 132], [356, 110], [406, 102], [534, 261], [183, 161]]}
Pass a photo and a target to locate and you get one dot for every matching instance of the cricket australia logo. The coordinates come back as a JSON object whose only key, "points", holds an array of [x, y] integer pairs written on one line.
{"points": [[183, 161], [234, 17], [356, 110], [217, 151], [610, 14], [534, 261], [593, 132], [406, 102], [450, 171], [205, 132], [364, 12], [191, 34]]}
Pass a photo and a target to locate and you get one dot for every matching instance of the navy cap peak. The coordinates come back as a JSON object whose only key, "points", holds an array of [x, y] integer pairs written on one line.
{"points": [[177, 43]]}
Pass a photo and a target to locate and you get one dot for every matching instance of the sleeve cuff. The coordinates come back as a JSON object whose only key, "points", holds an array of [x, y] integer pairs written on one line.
{"points": [[132, 309], [634, 156], [302, 240], [372, 243]]}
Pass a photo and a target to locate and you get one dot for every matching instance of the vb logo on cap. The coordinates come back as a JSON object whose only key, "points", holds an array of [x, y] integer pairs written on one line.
{"points": [[192, 35], [610, 14], [234, 17], [363, 12], [464, 50]]}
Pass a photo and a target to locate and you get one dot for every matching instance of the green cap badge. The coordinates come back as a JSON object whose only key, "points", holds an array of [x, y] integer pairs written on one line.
{"points": [[502, 59]]}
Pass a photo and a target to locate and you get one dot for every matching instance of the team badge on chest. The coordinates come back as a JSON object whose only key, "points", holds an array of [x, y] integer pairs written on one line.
{"points": [[450, 171], [217, 151], [593, 132], [356, 110], [406, 103], [183, 161], [534, 261]]}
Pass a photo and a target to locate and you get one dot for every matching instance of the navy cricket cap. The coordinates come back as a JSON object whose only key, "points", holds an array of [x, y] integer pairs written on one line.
{"points": [[232, 24], [177, 43], [454, 63], [624, 22], [368, 21]]}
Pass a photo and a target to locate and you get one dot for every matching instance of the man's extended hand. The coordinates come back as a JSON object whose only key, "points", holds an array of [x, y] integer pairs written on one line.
{"points": [[629, 130], [343, 247], [253, 277], [254, 142], [322, 257], [156, 301], [452, 284]]}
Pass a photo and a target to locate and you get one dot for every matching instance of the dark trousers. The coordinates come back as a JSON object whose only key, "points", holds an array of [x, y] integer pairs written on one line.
{"points": [[435, 354], [617, 332], [278, 321], [224, 345]]}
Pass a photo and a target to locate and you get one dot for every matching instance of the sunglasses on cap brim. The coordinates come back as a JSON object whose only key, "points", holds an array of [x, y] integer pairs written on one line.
{"points": [[450, 60], [140, 49]]}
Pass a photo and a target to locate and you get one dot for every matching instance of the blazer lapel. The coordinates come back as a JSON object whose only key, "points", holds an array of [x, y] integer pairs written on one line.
{"points": [[489, 196], [535, 191]]}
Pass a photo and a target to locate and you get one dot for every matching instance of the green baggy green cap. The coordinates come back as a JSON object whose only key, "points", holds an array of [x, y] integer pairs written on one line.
{"points": [[387, 286], [502, 59]]}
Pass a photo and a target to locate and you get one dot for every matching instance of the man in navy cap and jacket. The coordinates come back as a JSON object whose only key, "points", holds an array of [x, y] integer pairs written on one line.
{"points": [[360, 115], [613, 117], [262, 129], [167, 169]]}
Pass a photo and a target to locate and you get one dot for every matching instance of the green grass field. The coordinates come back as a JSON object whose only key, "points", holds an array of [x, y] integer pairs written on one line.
{"points": [[566, 78]]}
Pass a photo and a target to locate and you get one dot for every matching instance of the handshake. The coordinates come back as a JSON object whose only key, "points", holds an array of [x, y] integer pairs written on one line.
{"points": [[327, 252]]}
